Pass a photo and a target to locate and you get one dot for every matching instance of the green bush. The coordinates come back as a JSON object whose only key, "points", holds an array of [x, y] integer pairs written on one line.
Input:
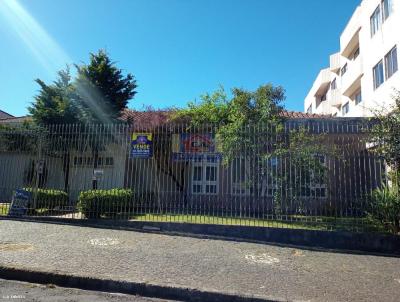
{"points": [[48, 198], [94, 203], [384, 207]]}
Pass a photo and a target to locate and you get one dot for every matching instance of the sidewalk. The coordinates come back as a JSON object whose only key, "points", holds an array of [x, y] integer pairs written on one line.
{"points": [[209, 265]]}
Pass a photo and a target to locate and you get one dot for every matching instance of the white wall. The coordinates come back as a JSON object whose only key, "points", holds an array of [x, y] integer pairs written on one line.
{"points": [[372, 50]]}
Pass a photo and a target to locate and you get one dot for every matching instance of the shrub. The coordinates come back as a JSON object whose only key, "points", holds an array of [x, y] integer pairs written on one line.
{"points": [[384, 207], [94, 203], [48, 198]]}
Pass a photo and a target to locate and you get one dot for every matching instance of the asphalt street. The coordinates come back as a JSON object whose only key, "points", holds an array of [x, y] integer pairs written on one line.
{"points": [[13, 291], [263, 270]]}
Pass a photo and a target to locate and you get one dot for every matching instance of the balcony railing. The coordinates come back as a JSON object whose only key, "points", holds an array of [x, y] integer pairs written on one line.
{"points": [[335, 62], [335, 98], [349, 37], [352, 78]]}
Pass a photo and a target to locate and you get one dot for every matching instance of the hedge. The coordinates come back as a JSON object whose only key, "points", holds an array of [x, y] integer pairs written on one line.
{"points": [[94, 203], [48, 198]]}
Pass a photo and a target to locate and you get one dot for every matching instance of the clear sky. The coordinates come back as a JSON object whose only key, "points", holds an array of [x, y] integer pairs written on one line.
{"points": [[177, 49]]}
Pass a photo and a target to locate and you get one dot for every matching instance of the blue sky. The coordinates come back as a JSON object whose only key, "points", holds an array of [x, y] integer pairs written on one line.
{"points": [[177, 49]]}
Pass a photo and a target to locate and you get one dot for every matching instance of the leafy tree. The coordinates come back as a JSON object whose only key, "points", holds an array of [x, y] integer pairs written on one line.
{"points": [[385, 141], [55, 103], [98, 94], [104, 93], [103, 90], [251, 125]]}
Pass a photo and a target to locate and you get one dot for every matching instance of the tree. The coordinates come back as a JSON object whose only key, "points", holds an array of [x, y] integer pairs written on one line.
{"points": [[55, 103], [385, 140], [251, 125], [103, 90], [104, 93], [98, 94]]}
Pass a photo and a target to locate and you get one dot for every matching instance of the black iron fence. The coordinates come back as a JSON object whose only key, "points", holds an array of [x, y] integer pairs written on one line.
{"points": [[316, 174]]}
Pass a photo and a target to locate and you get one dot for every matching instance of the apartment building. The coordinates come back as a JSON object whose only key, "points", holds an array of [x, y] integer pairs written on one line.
{"points": [[362, 76]]}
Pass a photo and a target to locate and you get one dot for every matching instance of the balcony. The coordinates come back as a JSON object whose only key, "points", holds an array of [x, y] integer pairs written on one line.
{"points": [[335, 62], [349, 38], [324, 108], [351, 80], [322, 82], [335, 98]]}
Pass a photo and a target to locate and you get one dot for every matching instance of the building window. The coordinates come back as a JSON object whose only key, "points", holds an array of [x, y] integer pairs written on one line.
{"points": [[386, 9], [356, 53], [205, 178], [240, 170], [343, 70], [378, 74], [345, 109], [323, 97], [375, 21], [309, 109], [333, 84], [87, 161], [391, 62], [357, 97], [270, 185]]}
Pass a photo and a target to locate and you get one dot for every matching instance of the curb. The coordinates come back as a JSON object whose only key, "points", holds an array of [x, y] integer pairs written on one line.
{"points": [[124, 287], [338, 242]]}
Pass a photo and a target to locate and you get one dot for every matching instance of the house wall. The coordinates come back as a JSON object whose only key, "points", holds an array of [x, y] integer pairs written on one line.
{"points": [[14, 167]]}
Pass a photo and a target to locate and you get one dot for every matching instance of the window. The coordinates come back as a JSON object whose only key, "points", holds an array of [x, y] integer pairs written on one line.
{"points": [[386, 9], [309, 109], [270, 183], [345, 109], [378, 74], [391, 62], [239, 170], [357, 97], [323, 97], [356, 53], [313, 179], [343, 70], [88, 161], [333, 84], [375, 21], [204, 178]]}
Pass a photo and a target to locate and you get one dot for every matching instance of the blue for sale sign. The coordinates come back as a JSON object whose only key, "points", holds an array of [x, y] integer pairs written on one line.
{"points": [[20, 203], [141, 145]]}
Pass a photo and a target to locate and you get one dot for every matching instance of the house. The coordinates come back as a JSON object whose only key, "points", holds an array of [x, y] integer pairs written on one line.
{"points": [[170, 167], [362, 76]]}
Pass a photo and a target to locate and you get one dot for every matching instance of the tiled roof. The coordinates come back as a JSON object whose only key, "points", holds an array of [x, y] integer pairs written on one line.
{"points": [[4, 115], [153, 118], [15, 120], [158, 117], [302, 115], [146, 119]]}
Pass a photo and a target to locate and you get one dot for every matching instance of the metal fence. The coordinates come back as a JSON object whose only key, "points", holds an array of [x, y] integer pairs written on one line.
{"points": [[314, 174]]}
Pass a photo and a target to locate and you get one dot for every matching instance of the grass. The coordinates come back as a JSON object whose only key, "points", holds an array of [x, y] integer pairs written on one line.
{"points": [[290, 222]]}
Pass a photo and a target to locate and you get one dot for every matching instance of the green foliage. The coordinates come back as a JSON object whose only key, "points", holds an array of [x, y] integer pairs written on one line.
{"points": [[385, 134], [384, 207], [48, 198], [237, 119], [98, 94], [94, 203], [103, 89], [56, 103]]}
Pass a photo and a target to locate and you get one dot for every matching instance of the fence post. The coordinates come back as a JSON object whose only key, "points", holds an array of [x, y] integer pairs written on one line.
{"points": [[37, 170]]}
